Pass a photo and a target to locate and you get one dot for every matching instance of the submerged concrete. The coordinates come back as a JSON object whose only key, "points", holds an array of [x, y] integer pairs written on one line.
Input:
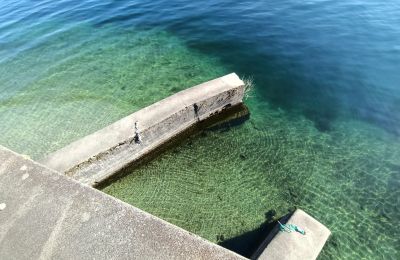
{"points": [[95, 158], [46, 215], [293, 246]]}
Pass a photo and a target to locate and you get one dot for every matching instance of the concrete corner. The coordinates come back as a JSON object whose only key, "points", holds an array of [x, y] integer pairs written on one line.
{"points": [[293, 245]]}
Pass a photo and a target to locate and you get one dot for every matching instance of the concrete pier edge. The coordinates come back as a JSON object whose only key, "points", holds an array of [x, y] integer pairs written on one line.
{"points": [[235, 115], [96, 157], [47, 215]]}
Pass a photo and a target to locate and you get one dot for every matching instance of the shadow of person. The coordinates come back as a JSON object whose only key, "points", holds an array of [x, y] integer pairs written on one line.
{"points": [[247, 243]]}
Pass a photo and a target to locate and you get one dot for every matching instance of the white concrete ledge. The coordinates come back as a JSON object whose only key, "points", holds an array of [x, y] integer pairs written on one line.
{"points": [[98, 156], [293, 246], [46, 215]]}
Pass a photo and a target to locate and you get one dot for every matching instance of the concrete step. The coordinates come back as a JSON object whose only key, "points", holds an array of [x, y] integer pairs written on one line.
{"points": [[294, 245]]}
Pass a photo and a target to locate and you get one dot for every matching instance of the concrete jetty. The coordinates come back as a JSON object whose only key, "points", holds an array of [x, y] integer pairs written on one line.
{"points": [[96, 157], [50, 210]]}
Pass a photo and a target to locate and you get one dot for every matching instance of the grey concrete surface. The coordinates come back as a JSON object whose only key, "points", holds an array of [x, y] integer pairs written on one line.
{"points": [[293, 246], [46, 215], [96, 157]]}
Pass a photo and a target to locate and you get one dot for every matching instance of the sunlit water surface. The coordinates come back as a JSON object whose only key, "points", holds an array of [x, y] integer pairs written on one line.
{"points": [[325, 110]]}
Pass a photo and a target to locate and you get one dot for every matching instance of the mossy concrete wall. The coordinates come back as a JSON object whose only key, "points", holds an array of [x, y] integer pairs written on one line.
{"points": [[95, 158]]}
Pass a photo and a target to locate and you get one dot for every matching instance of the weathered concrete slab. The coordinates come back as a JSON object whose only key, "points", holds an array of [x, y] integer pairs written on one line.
{"points": [[46, 215], [98, 156], [294, 246]]}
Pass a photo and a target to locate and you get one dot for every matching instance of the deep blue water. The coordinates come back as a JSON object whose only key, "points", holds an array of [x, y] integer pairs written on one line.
{"points": [[330, 62]]}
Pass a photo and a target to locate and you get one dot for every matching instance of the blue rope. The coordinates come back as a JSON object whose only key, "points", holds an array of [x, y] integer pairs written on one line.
{"points": [[290, 228]]}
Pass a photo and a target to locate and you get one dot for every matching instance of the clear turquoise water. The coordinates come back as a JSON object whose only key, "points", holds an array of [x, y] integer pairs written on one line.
{"points": [[325, 110]]}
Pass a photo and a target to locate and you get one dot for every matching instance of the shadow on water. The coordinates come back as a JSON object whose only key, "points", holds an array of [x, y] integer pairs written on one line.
{"points": [[291, 75], [247, 243], [285, 84], [279, 82]]}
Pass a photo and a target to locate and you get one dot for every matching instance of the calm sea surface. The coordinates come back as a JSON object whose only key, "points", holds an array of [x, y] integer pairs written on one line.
{"points": [[324, 131]]}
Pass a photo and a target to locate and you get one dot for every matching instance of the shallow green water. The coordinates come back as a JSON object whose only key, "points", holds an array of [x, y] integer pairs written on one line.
{"points": [[324, 128], [74, 84]]}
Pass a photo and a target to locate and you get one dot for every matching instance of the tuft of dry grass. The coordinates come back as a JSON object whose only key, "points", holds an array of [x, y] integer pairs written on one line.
{"points": [[249, 86]]}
